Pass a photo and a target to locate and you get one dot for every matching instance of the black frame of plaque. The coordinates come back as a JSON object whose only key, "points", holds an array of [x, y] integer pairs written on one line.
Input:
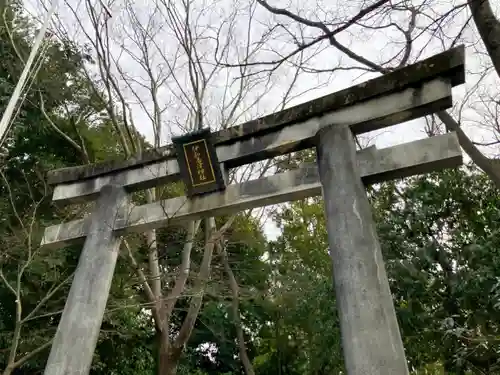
{"points": [[211, 163]]}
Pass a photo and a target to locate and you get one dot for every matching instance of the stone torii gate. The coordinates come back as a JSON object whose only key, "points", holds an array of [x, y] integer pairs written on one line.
{"points": [[370, 335]]}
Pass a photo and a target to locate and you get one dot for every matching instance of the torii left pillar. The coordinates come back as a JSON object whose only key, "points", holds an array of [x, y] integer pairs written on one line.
{"points": [[78, 330]]}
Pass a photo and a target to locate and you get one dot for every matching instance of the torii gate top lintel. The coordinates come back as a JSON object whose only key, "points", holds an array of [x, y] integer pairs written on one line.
{"points": [[414, 91], [446, 65]]}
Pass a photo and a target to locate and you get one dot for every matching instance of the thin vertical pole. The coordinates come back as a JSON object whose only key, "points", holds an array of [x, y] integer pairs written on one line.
{"points": [[79, 327], [7, 115], [371, 339]]}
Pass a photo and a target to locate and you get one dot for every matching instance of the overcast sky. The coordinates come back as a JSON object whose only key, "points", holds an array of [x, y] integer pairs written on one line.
{"points": [[375, 44]]}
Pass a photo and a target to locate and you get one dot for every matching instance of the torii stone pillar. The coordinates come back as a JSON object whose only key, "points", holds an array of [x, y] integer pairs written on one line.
{"points": [[79, 327], [371, 339]]}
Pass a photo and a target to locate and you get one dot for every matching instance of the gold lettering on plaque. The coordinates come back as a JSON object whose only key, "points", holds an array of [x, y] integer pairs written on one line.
{"points": [[198, 162]]}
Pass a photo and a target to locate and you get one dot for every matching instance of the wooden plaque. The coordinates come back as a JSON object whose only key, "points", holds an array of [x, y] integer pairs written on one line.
{"points": [[198, 163]]}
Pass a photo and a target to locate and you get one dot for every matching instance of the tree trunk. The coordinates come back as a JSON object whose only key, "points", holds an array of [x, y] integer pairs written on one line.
{"points": [[170, 351], [168, 358], [165, 365], [489, 166], [233, 284], [489, 29]]}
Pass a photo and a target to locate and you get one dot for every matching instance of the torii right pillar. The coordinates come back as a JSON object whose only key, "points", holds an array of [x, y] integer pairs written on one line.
{"points": [[371, 339]]}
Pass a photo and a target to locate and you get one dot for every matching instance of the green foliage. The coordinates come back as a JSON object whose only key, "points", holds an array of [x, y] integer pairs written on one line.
{"points": [[439, 234], [42, 277], [304, 337], [212, 345]]}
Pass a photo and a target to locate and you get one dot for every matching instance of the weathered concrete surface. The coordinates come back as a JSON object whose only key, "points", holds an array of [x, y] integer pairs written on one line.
{"points": [[449, 65], [371, 340], [78, 329], [421, 156], [367, 115]]}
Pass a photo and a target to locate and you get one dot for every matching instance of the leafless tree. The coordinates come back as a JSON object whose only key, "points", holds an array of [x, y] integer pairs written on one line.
{"points": [[161, 69], [401, 32]]}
